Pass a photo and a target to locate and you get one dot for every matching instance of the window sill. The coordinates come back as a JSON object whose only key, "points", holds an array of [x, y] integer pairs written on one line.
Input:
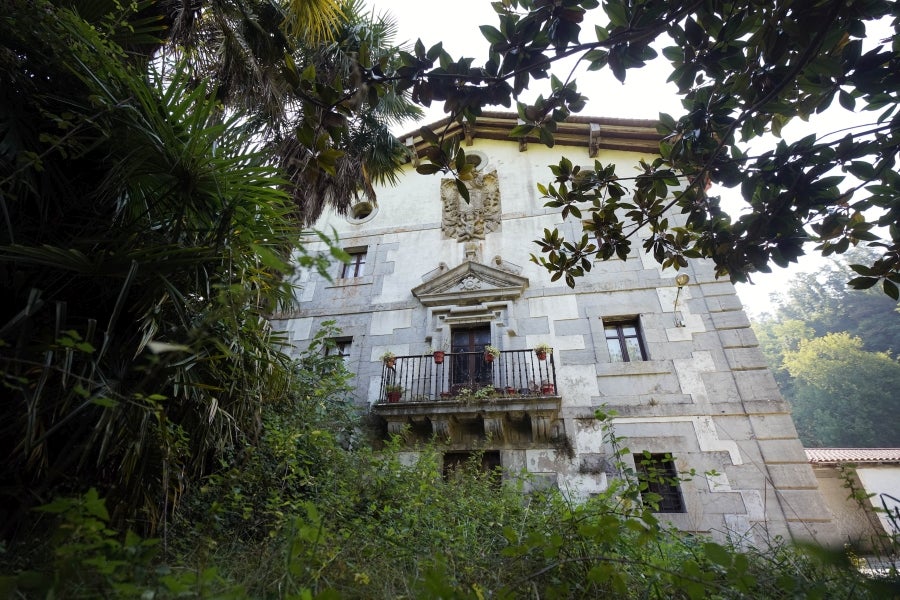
{"points": [[351, 281], [637, 367]]}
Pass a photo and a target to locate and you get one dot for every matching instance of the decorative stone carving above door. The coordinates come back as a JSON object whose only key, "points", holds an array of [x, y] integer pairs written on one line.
{"points": [[466, 221]]}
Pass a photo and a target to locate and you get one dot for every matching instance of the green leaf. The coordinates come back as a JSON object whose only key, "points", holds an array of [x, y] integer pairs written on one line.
{"points": [[462, 189], [270, 259], [492, 34], [862, 283], [104, 402], [428, 169], [717, 554]]}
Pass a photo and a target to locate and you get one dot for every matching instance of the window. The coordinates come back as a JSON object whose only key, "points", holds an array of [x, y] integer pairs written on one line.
{"points": [[362, 212], [624, 342], [356, 266], [339, 347], [485, 462], [659, 482]]}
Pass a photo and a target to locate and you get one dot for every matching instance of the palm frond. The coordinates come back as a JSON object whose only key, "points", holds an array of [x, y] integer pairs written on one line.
{"points": [[314, 21]]}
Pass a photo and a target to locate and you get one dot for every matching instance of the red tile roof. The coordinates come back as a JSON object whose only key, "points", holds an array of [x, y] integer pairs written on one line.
{"points": [[852, 455]]}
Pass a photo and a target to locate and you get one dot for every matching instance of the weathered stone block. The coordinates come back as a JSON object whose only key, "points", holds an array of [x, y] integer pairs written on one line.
{"points": [[782, 451], [729, 320], [737, 338], [743, 359], [774, 426], [717, 288], [756, 385], [795, 476], [570, 327], [720, 503], [720, 387], [718, 304], [804, 505], [533, 326]]}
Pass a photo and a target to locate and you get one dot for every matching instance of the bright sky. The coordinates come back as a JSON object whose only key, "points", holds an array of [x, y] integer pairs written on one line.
{"points": [[644, 95]]}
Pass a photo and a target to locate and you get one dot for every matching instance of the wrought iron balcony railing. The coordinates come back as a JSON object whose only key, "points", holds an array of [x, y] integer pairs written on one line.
{"points": [[465, 376]]}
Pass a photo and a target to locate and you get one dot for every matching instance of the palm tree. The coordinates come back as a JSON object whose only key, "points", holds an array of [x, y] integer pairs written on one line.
{"points": [[302, 93], [147, 230], [144, 239], [333, 151]]}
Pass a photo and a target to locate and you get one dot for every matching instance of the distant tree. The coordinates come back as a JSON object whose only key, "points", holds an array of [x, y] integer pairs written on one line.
{"points": [[821, 301], [845, 396], [743, 69], [814, 306], [776, 338]]}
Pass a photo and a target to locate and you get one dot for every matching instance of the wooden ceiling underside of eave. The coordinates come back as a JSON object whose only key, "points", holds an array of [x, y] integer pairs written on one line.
{"points": [[628, 135]]}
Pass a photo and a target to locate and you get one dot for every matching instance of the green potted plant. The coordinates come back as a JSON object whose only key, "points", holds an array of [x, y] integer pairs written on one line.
{"points": [[490, 353], [388, 358], [483, 394], [542, 350], [393, 392]]}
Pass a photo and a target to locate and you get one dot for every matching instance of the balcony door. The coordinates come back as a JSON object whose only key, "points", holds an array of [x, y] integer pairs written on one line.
{"points": [[468, 368]]}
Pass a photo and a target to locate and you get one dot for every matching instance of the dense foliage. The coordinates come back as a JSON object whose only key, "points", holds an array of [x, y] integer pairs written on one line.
{"points": [[299, 516], [147, 232], [744, 69], [833, 354]]}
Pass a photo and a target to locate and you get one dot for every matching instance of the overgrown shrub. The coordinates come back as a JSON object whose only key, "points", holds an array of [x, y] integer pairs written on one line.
{"points": [[302, 513]]}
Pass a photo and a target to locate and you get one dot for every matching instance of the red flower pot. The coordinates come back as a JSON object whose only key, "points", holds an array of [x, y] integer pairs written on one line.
{"points": [[547, 389], [488, 357], [541, 355], [438, 357]]}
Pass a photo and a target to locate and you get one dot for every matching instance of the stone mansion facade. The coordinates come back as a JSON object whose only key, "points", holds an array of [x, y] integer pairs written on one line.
{"points": [[676, 360]]}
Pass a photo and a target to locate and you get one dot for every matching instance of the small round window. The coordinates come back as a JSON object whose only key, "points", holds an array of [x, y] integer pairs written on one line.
{"points": [[477, 159], [362, 212]]}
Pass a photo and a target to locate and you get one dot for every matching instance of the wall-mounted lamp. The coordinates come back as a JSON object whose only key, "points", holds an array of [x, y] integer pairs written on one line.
{"points": [[681, 280]]}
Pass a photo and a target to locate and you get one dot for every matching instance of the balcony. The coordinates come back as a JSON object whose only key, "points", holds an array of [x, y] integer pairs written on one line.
{"points": [[469, 396]]}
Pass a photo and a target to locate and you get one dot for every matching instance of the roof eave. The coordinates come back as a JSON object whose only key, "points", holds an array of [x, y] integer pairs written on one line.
{"points": [[593, 133]]}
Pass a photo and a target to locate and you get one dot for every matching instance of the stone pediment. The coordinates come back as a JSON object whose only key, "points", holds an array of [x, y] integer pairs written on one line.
{"points": [[470, 283]]}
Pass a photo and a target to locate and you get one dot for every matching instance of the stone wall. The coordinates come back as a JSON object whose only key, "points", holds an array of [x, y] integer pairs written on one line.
{"points": [[703, 393]]}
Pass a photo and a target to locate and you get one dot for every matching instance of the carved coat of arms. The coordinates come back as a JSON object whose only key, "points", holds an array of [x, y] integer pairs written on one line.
{"points": [[465, 221]]}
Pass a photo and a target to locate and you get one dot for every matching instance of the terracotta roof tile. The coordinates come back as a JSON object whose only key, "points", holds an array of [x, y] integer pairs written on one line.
{"points": [[854, 455]]}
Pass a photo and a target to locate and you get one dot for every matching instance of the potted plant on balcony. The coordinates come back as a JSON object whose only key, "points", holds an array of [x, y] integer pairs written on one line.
{"points": [[542, 350], [438, 354], [388, 358], [484, 394], [547, 388], [393, 393], [490, 353]]}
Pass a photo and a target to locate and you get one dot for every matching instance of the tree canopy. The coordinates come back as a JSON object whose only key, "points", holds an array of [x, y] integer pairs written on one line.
{"points": [[832, 351], [147, 230], [845, 396], [743, 70]]}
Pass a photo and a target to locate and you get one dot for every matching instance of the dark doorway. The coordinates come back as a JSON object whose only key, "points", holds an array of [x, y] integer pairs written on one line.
{"points": [[468, 368]]}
